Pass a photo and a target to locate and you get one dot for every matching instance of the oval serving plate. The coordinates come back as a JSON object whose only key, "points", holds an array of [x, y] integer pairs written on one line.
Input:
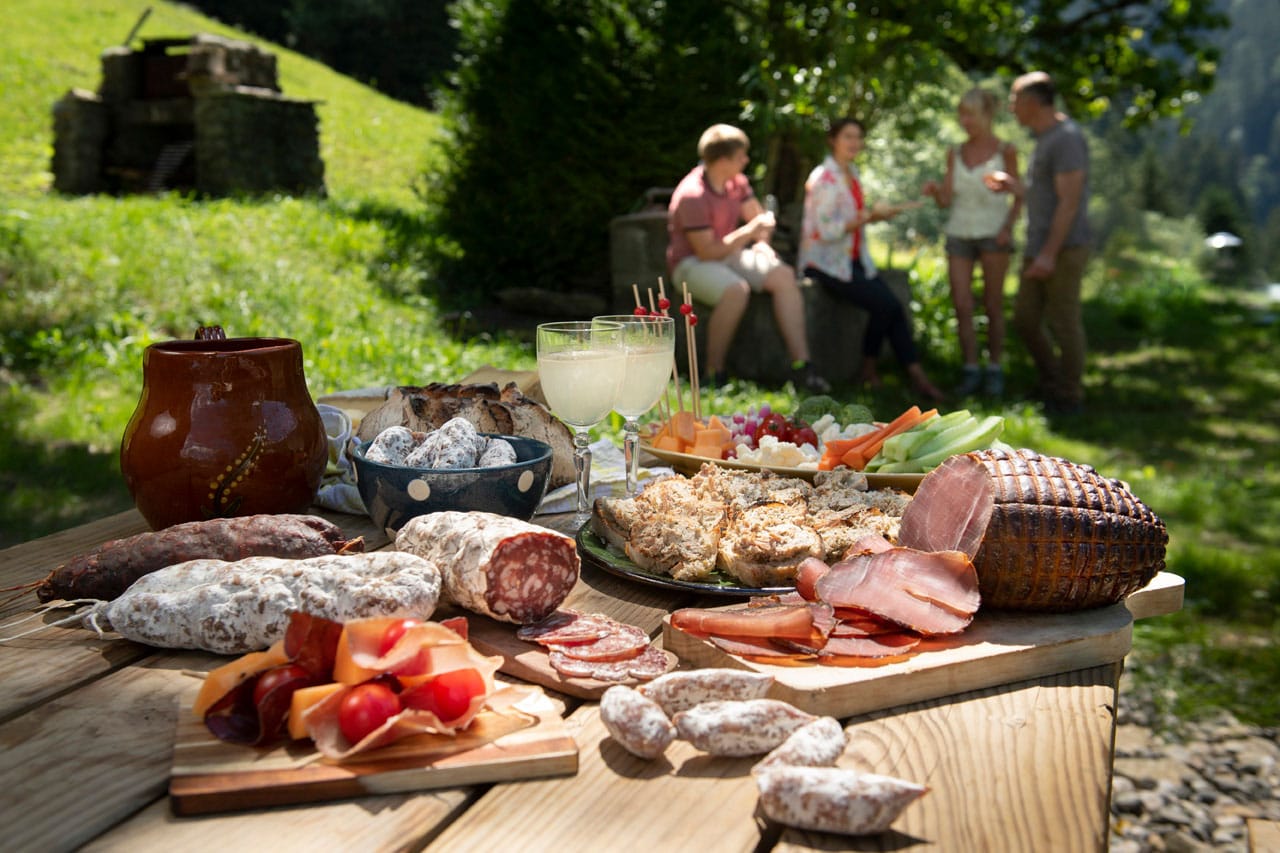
{"points": [[687, 463], [594, 550]]}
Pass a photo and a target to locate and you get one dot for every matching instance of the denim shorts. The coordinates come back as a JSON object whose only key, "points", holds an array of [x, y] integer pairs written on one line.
{"points": [[975, 247]]}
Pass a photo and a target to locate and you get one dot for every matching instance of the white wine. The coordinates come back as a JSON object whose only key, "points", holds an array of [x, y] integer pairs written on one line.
{"points": [[648, 370], [582, 386]]}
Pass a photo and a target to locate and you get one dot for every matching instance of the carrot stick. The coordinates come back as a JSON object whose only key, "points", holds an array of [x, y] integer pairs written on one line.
{"points": [[858, 457]]}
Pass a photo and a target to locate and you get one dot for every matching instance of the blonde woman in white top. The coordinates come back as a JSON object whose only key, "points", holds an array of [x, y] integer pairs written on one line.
{"points": [[979, 230]]}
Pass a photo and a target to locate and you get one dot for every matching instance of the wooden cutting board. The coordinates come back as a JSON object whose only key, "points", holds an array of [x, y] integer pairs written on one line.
{"points": [[998, 648], [209, 775]]}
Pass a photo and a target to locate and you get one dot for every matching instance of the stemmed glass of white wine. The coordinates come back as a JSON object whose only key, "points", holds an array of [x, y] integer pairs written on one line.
{"points": [[650, 344], [581, 365]]}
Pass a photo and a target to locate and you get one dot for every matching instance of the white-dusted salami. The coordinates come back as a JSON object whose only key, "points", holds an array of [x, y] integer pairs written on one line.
{"points": [[680, 691], [244, 606], [831, 799], [392, 446], [495, 565], [497, 451], [637, 723], [816, 744], [733, 728]]}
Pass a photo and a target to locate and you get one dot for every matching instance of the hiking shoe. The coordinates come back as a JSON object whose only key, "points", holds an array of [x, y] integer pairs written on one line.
{"points": [[994, 385], [970, 381]]}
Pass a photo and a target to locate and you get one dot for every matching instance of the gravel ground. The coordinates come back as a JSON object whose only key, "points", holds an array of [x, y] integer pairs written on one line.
{"points": [[1194, 790]]}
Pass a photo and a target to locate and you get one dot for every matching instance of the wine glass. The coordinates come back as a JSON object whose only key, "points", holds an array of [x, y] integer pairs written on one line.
{"points": [[581, 365], [650, 344]]}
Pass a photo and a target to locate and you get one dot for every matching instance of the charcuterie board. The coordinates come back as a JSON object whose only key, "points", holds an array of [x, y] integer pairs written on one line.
{"points": [[527, 741], [998, 648]]}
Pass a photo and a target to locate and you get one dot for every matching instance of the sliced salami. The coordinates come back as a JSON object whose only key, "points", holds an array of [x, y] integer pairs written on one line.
{"points": [[650, 663], [567, 627], [622, 643], [495, 565]]}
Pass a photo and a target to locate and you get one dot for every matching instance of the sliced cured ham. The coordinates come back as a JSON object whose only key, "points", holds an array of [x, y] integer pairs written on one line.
{"points": [[793, 622], [931, 593], [879, 646], [952, 512], [807, 574]]}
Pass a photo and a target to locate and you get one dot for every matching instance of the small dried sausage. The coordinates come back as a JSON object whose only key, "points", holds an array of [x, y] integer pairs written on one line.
{"points": [[392, 446], [637, 723], [738, 728], [816, 744], [680, 691], [831, 799]]}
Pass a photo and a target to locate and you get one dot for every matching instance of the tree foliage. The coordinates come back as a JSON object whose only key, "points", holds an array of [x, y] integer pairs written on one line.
{"points": [[558, 106]]}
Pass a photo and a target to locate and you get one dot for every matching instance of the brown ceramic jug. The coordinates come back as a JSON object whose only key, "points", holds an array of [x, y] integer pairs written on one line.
{"points": [[225, 427]]}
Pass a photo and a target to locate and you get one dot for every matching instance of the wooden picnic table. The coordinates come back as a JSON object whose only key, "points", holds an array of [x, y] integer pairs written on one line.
{"points": [[87, 735]]}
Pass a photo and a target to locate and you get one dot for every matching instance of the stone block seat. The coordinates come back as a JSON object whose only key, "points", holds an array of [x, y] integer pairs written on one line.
{"points": [[638, 244]]}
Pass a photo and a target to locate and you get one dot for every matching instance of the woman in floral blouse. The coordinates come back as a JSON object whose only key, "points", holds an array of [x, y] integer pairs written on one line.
{"points": [[834, 253]]}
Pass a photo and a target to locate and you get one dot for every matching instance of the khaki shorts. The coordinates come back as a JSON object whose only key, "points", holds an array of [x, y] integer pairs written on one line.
{"points": [[708, 280]]}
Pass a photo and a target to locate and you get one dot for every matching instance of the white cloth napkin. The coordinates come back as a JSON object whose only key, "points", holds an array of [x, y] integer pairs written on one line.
{"points": [[608, 479]]}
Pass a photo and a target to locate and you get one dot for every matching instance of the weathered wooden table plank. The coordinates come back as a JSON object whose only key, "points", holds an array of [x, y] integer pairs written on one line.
{"points": [[684, 801], [1021, 767]]}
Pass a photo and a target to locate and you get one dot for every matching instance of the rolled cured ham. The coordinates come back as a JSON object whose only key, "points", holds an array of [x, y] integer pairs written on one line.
{"points": [[495, 565], [1044, 533]]}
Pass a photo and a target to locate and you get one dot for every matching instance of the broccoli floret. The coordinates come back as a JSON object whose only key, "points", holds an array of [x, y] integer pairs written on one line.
{"points": [[812, 408], [855, 413]]}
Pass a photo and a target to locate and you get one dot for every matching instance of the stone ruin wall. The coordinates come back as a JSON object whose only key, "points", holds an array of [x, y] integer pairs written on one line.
{"points": [[210, 119]]}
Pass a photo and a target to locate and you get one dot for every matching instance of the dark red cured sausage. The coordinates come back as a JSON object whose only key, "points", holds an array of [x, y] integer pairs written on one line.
{"points": [[495, 565], [106, 572]]}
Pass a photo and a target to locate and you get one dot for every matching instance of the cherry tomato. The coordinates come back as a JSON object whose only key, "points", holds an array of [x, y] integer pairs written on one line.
{"points": [[394, 632], [804, 435], [448, 695], [277, 676], [773, 424], [365, 709], [415, 665]]}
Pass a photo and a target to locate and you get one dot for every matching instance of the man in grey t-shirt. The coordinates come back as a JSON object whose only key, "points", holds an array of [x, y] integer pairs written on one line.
{"points": [[1047, 311]]}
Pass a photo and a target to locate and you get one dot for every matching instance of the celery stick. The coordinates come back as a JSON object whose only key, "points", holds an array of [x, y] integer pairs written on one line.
{"points": [[986, 431], [945, 438]]}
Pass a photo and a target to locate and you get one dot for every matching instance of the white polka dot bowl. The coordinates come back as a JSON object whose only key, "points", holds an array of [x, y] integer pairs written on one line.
{"points": [[393, 494]]}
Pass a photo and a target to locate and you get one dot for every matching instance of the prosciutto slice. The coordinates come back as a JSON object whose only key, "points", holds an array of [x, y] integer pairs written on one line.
{"points": [[930, 592], [786, 622]]}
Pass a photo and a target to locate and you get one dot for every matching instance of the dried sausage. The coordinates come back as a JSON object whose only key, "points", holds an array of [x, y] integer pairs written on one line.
{"points": [[495, 565], [680, 691], [233, 608], [830, 799], [107, 571], [637, 723], [816, 744], [392, 446], [738, 728]]}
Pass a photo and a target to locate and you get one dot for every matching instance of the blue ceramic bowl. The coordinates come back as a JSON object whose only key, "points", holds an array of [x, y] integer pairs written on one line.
{"points": [[393, 494]]}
